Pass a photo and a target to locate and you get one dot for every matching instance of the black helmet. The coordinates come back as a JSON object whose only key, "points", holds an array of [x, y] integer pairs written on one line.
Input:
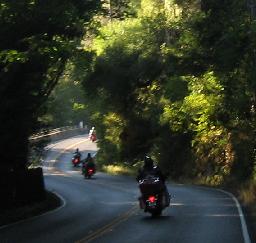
{"points": [[148, 162]]}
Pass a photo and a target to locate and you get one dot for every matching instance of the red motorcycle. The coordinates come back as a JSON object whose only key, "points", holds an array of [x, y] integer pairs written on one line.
{"points": [[76, 160], [88, 172], [93, 137]]}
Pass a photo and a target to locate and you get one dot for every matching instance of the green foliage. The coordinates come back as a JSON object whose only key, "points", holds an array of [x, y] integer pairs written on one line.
{"points": [[204, 99], [36, 40], [176, 81], [121, 9], [123, 78], [66, 104], [111, 128]]}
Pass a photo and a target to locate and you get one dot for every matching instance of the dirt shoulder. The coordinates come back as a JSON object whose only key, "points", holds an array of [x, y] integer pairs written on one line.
{"points": [[9, 216], [250, 216]]}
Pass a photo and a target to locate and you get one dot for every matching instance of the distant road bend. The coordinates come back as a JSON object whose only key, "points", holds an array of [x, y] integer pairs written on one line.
{"points": [[104, 209]]}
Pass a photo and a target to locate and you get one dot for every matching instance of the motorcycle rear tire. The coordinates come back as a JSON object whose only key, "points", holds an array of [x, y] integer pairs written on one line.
{"points": [[156, 212]]}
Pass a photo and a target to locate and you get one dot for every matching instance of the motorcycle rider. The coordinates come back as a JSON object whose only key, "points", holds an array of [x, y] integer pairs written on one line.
{"points": [[88, 162], [77, 154], [150, 169], [92, 134]]}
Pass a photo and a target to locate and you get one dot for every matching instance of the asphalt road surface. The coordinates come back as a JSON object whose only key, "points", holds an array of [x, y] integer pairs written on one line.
{"points": [[104, 209]]}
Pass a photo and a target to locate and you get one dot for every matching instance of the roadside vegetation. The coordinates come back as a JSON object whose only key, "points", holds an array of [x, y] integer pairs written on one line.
{"points": [[176, 81]]}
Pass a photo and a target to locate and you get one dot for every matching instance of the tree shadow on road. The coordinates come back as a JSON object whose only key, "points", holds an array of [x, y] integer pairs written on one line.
{"points": [[162, 218]]}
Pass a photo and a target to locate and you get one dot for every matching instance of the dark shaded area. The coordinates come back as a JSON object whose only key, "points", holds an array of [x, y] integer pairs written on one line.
{"points": [[18, 188], [36, 40], [50, 202], [250, 215], [136, 139]]}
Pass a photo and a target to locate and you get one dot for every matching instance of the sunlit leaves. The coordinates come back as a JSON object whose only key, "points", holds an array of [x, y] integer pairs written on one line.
{"points": [[10, 56], [205, 98], [114, 127], [128, 33], [197, 108], [173, 116], [78, 106], [185, 71]]}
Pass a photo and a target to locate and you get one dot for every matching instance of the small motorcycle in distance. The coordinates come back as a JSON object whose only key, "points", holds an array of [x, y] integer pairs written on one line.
{"points": [[93, 137], [92, 134], [152, 197], [88, 172], [76, 160]]}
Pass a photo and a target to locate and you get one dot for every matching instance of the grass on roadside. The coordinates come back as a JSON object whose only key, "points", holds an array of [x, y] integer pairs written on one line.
{"points": [[120, 169], [248, 193], [247, 196]]}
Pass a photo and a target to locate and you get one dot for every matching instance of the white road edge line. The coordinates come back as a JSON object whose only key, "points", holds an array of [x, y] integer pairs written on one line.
{"points": [[241, 215], [58, 195]]}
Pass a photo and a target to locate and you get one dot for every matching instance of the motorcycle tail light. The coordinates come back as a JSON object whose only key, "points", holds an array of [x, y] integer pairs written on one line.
{"points": [[152, 199]]}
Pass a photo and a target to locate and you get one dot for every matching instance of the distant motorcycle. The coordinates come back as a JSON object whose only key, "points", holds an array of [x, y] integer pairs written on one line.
{"points": [[92, 134], [152, 198], [76, 160], [93, 137], [88, 172]]}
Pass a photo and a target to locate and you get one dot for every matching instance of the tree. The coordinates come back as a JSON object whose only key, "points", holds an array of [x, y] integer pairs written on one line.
{"points": [[123, 71], [36, 40], [182, 84], [66, 105]]}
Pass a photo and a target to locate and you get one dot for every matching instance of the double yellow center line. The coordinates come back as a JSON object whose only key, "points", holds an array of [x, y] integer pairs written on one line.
{"points": [[109, 227]]}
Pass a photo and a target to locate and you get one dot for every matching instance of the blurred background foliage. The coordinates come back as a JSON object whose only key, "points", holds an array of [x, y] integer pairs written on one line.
{"points": [[174, 79]]}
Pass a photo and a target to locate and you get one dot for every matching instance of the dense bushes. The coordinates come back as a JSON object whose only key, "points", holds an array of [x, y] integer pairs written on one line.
{"points": [[180, 85]]}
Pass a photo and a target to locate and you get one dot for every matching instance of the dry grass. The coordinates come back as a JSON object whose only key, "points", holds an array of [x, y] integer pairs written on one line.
{"points": [[119, 170], [247, 194]]}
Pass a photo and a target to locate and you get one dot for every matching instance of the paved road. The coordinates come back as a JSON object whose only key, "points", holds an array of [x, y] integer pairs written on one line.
{"points": [[104, 209]]}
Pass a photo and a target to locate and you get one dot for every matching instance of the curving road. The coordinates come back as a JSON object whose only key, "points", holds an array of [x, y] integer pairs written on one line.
{"points": [[105, 209]]}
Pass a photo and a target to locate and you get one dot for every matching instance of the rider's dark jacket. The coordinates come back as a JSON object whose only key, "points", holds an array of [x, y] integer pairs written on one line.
{"points": [[89, 162], [152, 170]]}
